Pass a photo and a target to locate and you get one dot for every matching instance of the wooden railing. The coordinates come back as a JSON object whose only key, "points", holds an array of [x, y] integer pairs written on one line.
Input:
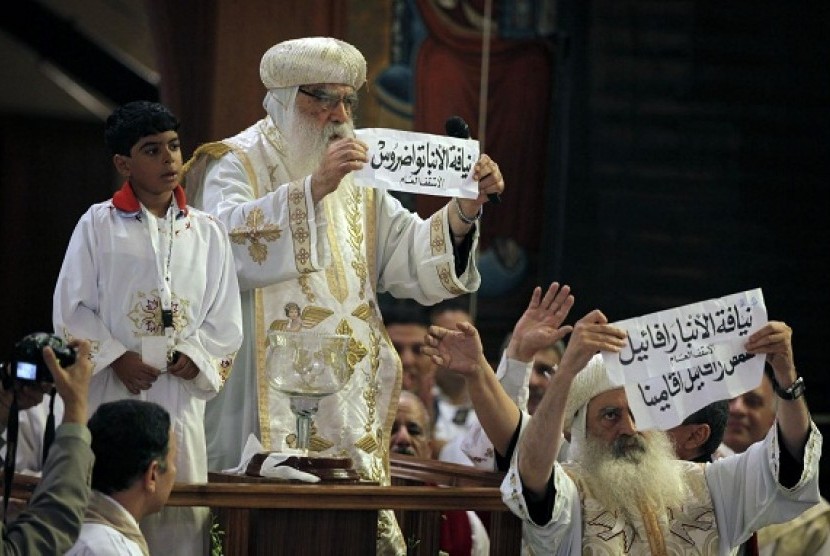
{"points": [[503, 527], [271, 518]]}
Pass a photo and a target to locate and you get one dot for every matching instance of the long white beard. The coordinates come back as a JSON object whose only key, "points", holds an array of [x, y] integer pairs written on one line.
{"points": [[636, 470], [307, 143]]}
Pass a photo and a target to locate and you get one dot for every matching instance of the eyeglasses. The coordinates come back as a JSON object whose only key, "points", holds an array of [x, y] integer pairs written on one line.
{"points": [[329, 102]]}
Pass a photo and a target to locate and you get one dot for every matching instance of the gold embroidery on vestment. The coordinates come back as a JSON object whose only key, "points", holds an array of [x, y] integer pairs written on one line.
{"points": [[335, 272], [354, 218], [298, 221], [260, 348], [369, 442], [319, 444], [394, 395], [214, 151], [702, 520], [224, 366], [436, 234], [376, 471], [364, 312], [310, 317], [438, 245], [94, 345], [613, 525], [272, 135], [255, 230], [356, 350], [316, 443], [303, 281], [146, 314], [369, 199]]}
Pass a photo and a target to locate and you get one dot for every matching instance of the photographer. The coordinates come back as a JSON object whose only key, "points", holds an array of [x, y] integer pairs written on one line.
{"points": [[28, 396], [51, 521], [33, 412]]}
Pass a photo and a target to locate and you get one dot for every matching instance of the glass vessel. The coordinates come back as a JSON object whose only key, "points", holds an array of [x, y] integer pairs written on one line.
{"points": [[306, 367]]}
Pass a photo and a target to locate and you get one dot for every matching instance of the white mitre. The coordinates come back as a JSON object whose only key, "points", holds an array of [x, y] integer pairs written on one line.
{"points": [[312, 60]]}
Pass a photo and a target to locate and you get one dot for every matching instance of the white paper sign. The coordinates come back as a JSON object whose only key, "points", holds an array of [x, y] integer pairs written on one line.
{"points": [[680, 360], [154, 351], [418, 163]]}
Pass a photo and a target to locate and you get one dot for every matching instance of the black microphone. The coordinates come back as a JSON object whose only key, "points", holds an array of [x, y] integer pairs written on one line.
{"points": [[455, 126]]}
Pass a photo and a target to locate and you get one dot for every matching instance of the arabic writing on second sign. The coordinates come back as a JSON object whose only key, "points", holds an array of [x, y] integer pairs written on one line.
{"points": [[689, 379], [667, 336]]}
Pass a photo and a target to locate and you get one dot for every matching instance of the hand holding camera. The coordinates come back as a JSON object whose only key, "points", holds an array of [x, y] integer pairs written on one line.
{"points": [[27, 365], [72, 383], [41, 361]]}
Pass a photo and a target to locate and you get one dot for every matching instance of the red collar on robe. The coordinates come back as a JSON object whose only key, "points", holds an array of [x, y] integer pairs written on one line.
{"points": [[126, 201]]}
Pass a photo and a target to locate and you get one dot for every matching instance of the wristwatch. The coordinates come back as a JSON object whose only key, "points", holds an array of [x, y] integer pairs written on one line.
{"points": [[795, 391]]}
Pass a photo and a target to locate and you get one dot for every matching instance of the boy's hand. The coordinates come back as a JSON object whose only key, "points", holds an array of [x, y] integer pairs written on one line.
{"points": [[134, 373], [183, 367]]}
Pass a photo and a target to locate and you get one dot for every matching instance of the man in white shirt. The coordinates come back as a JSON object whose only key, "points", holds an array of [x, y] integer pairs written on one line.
{"points": [[134, 472]]}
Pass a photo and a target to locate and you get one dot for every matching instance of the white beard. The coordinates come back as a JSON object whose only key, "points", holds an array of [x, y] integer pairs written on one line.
{"points": [[307, 143], [636, 470]]}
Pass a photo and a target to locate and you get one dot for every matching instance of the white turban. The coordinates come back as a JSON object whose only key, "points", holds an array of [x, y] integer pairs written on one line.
{"points": [[312, 60], [589, 383]]}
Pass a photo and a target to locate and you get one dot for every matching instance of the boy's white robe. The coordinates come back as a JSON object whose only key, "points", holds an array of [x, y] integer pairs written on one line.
{"points": [[107, 292]]}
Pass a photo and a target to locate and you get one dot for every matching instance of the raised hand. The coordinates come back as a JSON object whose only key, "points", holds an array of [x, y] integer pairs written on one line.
{"points": [[775, 339], [591, 334], [457, 350], [540, 326]]}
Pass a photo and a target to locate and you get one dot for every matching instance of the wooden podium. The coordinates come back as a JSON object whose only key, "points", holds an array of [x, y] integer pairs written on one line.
{"points": [[274, 518]]}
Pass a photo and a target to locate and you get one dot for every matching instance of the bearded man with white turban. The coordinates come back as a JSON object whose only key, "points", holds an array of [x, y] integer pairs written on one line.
{"points": [[624, 491], [312, 252]]}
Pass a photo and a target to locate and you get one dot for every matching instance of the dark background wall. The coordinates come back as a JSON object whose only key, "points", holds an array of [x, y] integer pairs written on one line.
{"points": [[690, 161], [51, 171]]}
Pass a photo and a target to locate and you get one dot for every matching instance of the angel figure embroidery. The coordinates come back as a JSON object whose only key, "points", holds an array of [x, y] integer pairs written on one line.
{"points": [[298, 320]]}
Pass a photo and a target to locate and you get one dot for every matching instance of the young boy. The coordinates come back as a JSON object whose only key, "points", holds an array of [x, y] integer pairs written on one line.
{"points": [[151, 283]]}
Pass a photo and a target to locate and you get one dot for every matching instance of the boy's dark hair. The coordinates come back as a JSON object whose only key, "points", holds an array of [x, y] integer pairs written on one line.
{"points": [[131, 121], [715, 415], [127, 435]]}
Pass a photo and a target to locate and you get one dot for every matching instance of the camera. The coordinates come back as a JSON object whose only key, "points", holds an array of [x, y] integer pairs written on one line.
{"points": [[27, 364]]}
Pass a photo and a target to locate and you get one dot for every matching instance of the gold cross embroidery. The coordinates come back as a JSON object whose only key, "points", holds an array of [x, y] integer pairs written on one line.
{"points": [[255, 230]]}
